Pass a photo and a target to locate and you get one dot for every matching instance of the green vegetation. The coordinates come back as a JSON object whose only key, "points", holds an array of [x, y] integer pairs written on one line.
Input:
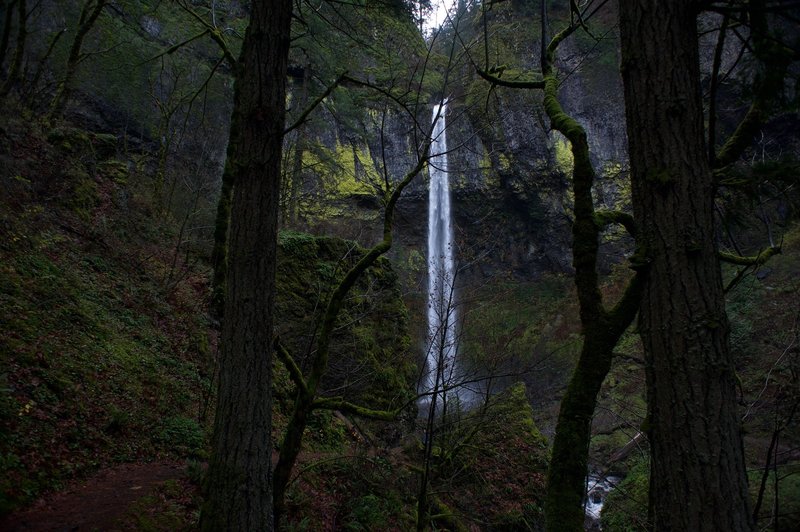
{"points": [[488, 469], [96, 351], [371, 346], [625, 508], [107, 350]]}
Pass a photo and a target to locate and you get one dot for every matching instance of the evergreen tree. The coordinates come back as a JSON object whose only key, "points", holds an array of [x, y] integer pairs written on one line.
{"points": [[239, 481], [697, 479]]}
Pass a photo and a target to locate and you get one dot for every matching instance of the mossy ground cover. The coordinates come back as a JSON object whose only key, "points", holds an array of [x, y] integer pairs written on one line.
{"points": [[487, 472], [491, 466], [763, 314], [102, 362]]}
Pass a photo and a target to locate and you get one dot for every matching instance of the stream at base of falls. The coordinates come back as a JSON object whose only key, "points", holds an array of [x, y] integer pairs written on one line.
{"points": [[597, 488]]}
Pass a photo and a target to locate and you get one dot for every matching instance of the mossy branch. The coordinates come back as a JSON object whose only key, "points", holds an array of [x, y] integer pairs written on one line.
{"points": [[754, 260], [294, 371], [604, 218], [550, 52], [585, 231], [213, 31], [511, 83], [746, 262], [336, 403]]}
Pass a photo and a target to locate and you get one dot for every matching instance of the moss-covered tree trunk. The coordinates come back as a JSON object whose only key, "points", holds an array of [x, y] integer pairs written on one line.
{"points": [[89, 15], [19, 51], [239, 480], [697, 479], [601, 328]]}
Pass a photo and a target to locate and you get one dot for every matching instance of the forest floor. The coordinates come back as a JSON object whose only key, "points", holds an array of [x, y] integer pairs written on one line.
{"points": [[101, 502]]}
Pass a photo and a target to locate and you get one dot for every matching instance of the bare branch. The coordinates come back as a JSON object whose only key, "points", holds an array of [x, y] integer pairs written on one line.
{"points": [[212, 30], [304, 116]]}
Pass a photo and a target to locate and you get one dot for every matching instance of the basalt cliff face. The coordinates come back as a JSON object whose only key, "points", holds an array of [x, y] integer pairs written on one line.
{"points": [[509, 172]]}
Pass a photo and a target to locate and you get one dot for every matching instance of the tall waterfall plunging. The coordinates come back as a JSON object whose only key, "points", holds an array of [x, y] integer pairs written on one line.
{"points": [[441, 348]]}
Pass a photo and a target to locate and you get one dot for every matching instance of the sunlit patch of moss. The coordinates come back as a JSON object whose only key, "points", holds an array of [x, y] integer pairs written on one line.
{"points": [[344, 171], [564, 159], [505, 162], [113, 169]]}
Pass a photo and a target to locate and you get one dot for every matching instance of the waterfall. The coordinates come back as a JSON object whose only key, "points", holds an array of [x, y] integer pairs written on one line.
{"points": [[441, 348]]}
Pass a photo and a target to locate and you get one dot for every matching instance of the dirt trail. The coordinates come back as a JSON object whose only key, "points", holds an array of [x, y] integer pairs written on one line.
{"points": [[96, 503]]}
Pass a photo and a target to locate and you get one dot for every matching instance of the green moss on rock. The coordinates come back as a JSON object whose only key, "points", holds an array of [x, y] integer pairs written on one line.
{"points": [[370, 363]]}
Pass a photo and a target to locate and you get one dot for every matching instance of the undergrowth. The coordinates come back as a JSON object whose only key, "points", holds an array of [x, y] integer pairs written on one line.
{"points": [[103, 361]]}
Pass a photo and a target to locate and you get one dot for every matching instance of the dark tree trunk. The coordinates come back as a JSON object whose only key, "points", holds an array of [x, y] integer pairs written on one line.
{"points": [[601, 327], [239, 483], [299, 150], [19, 52], [697, 479], [7, 11], [89, 15], [219, 255]]}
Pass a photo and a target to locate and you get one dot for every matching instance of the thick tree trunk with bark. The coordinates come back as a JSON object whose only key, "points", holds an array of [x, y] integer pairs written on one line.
{"points": [[697, 478], [239, 483]]}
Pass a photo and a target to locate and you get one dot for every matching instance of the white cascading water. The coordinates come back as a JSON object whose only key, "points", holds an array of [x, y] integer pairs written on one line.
{"points": [[441, 347]]}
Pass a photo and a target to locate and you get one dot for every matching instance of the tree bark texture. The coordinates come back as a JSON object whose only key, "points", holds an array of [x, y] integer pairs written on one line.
{"points": [[697, 477], [601, 328], [239, 483]]}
